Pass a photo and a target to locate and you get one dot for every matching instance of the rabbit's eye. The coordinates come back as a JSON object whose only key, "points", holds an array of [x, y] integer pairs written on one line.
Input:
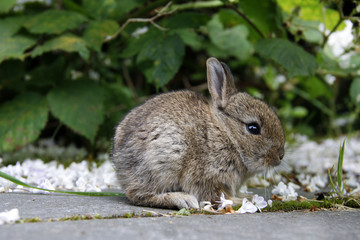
{"points": [[253, 128]]}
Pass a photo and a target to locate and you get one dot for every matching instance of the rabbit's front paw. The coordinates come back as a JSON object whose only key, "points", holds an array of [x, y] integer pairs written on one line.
{"points": [[181, 200]]}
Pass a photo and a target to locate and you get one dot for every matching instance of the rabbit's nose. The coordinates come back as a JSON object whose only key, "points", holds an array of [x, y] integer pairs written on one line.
{"points": [[281, 153]]}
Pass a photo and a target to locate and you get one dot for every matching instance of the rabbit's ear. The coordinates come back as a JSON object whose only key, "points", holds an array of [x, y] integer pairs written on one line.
{"points": [[220, 81]]}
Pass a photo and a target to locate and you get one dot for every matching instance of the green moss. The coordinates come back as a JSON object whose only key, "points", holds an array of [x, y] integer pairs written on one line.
{"points": [[129, 215], [97, 216], [30, 220], [183, 212], [148, 214]]}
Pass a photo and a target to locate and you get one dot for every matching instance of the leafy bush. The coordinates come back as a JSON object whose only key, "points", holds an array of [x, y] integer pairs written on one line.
{"points": [[72, 68]]}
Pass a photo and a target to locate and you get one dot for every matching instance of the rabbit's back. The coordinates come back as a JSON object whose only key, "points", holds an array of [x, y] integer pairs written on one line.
{"points": [[154, 141]]}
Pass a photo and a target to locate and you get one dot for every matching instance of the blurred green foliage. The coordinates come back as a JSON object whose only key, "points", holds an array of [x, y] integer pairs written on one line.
{"points": [[71, 69]]}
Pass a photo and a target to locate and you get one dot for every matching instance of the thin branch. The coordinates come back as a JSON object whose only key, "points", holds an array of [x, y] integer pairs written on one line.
{"points": [[161, 13], [198, 4], [246, 19], [331, 32], [341, 18]]}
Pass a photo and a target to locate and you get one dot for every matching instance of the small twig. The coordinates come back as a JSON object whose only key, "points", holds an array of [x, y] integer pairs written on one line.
{"points": [[151, 20], [341, 18], [331, 32], [246, 19]]}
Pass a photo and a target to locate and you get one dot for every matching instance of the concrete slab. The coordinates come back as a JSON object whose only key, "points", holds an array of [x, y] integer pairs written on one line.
{"points": [[45, 206], [290, 225], [294, 225]]}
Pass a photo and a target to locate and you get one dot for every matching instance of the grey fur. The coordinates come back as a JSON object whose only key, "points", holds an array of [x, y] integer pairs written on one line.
{"points": [[179, 148]]}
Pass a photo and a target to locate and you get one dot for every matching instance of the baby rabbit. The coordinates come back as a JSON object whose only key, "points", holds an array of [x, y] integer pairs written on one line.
{"points": [[179, 148]]}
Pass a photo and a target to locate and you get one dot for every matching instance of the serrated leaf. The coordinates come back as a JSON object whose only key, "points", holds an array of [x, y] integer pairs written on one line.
{"points": [[68, 43], [97, 31], [355, 92], [6, 5], [79, 105], [136, 44], [232, 40], [22, 120], [161, 58], [14, 47], [10, 25], [54, 21], [287, 54]]}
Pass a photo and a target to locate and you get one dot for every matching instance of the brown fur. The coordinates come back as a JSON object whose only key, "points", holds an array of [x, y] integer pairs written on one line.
{"points": [[179, 148]]}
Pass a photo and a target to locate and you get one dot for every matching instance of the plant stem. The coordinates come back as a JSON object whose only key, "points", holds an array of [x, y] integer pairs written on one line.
{"points": [[145, 10], [246, 19], [315, 102], [331, 32], [196, 5], [341, 18], [212, 4]]}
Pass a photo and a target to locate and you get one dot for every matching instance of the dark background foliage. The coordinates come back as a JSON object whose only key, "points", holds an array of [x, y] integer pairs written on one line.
{"points": [[71, 69]]}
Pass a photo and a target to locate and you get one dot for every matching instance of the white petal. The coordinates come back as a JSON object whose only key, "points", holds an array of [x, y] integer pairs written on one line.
{"points": [[224, 202], [257, 199], [261, 205], [204, 203], [247, 207], [270, 202], [9, 216]]}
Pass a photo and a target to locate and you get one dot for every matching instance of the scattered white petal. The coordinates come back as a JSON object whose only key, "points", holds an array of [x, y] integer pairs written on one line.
{"points": [[247, 207], [269, 202], [204, 203], [9, 216], [287, 192], [259, 202], [224, 202]]}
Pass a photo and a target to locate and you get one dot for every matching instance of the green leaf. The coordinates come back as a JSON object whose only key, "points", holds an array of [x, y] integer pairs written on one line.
{"points": [[287, 54], [9, 26], [54, 21], [97, 31], [14, 47], [22, 120], [355, 92], [299, 112], [6, 5], [186, 20], [161, 58], [308, 30], [232, 41], [136, 44], [191, 38], [313, 10], [79, 105], [68, 43], [113, 9], [265, 14], [316, 88], [355, 62]]}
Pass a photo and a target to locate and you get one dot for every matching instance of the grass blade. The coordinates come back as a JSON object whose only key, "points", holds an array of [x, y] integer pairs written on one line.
{"points": [[332, 182], [339, 167], [98, 194]]}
